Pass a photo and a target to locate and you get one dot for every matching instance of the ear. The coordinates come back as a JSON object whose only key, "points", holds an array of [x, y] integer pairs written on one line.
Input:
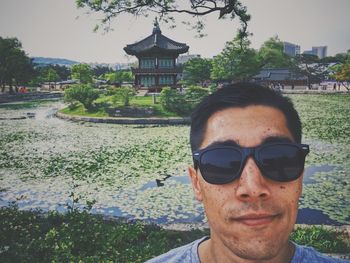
{"points": [[196, 186]]}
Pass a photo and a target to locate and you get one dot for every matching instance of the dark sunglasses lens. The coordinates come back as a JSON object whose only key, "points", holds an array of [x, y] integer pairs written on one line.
{"points": [[282, 163], [220, 166]]}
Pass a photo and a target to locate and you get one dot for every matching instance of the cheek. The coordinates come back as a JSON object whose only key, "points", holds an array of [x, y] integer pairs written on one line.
{"points": [[215, 197], [290, 193]]}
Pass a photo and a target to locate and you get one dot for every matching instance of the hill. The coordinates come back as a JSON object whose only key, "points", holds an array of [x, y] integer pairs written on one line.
{"points": [[53, 61]]}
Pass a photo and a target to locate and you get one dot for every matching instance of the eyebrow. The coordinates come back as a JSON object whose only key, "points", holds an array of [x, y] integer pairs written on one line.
{"points": [[270, 139]]}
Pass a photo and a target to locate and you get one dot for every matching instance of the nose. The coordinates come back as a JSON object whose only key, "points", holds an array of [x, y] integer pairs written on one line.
{"points": [[252, 185]]}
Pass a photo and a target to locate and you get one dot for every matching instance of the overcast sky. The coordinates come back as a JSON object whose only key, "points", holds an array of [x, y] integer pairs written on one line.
{"points": [[56, 28]]}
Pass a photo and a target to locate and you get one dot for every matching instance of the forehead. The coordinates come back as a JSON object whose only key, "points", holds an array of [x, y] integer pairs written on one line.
{"points": [[247, 126]]}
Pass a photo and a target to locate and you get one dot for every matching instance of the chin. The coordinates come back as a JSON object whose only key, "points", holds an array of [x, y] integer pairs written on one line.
{"points": [[257, 250]]}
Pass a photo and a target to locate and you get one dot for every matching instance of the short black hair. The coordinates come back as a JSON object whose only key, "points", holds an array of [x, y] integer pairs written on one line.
{"points": [[241, 95]]}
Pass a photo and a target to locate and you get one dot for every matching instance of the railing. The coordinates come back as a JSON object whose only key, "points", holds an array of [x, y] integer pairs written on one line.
{"points": [[156, 70]]}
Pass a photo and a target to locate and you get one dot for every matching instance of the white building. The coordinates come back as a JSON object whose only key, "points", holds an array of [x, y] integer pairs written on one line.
{"points": [[320, 51], [291, 49], [182, 59]]}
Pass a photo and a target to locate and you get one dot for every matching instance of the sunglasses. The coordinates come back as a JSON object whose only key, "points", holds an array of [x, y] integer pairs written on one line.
{"points": [[282, 162]]}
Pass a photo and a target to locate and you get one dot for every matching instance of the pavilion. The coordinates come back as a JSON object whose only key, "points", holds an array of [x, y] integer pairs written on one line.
{"points": [[156, 56]]}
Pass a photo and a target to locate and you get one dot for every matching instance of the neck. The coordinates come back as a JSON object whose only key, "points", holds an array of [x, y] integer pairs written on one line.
{"points": [[214, 251]]}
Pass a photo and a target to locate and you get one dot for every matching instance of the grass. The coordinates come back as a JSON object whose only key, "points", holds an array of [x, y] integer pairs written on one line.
{"points": [[30, 236], [106, 101], [81, 111]]}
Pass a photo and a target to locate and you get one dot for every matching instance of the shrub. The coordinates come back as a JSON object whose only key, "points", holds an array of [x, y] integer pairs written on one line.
{"points": [[122, 95], [172, 101], [182, 105], [195, 94], [85, 94], [77, 236], [212, 87]]}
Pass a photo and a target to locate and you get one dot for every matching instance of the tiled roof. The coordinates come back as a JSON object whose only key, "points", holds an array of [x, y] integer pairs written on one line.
{"points": [[276, 74], [154, 42]]}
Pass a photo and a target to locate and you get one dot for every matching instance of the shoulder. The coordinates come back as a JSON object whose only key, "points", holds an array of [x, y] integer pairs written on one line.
{"points": [[187, 253], [308, 254]]}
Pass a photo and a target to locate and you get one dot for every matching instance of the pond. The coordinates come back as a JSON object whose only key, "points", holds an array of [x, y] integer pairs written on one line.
{"points": [[136, 172]]}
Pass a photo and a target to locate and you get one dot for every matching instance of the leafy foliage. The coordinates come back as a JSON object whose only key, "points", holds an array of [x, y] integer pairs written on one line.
{"points": [[322, 239], [195, 94], [80, 237], [99, 71], [85, 94], [122, 95], [16, 67], [165, 8], [119, 76], [172, 101], [271, 54], [29, 236], [342, 72], [50, 73], [310, 66], [183, 105], [197, 70], [236, 62], [82, 72]]}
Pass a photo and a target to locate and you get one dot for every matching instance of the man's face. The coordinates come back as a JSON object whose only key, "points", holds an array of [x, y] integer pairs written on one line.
{"points": [[252, 216]]}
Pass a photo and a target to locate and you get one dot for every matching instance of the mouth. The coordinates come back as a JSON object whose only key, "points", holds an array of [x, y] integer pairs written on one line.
{"points": [[256, 219]]}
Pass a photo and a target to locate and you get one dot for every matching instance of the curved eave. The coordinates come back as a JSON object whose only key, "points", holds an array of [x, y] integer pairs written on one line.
{"points": [[156, 49]]}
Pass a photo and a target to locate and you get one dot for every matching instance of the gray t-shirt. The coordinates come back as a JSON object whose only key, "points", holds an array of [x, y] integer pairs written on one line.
{"points": [[189, 254]]}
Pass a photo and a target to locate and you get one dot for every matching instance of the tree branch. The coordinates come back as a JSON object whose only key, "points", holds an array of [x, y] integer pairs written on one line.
{"points": [[197, 8]]}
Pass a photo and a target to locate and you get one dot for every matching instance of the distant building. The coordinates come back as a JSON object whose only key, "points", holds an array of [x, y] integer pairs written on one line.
{"points": [[320, 51], [157, 56], [280, 76], [184, 58], [291, 49]]}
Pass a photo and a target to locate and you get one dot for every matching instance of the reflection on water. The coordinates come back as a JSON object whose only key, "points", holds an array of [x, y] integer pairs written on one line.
{"points": [[185, 179], [314, 217], [310, 171]]}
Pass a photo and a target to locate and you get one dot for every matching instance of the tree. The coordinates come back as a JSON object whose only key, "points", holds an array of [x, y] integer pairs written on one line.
{"points": [[172, 101], [83, 93], [62, 71], [271, 54], [197, 70], [99, 71], [236, 62], [82, 72], [166, 8], [123, 95], [119, 76], [311, 67], [195, 95], [50, 75], [16, 68], [342, 73]]}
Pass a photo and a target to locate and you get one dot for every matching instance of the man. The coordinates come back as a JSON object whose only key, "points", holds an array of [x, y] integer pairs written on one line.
{"points": [[248, 172]]}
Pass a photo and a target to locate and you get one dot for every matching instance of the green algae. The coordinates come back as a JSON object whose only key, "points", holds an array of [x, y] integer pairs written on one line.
{"points": [[42, 158]]}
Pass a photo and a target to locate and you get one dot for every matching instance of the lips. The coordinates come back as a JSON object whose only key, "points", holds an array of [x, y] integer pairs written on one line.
{"points": [[256, 219]]}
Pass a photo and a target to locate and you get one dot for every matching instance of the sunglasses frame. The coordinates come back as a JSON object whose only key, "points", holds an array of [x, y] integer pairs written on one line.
{"points": [[247, 152]]}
